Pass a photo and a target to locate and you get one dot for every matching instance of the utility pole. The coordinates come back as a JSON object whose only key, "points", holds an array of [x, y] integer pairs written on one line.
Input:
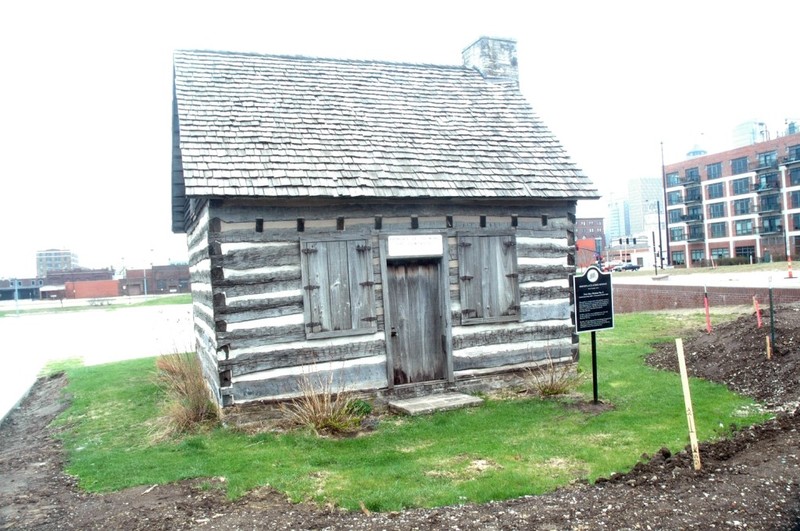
{"points": [[666, 224]]}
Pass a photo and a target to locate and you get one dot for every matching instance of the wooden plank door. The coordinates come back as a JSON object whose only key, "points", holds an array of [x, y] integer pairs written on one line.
{"points": [[416, 329]]}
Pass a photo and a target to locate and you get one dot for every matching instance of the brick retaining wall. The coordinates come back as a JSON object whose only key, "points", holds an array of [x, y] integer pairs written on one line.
{"points": [[646, 297]]}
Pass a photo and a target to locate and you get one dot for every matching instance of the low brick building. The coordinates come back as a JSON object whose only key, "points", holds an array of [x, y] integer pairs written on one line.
{"points": [[91, 289], [158, 280], [56, 278]]}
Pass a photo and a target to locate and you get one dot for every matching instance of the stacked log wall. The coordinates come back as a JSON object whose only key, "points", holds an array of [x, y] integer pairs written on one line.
{"points": [[202, 307], [255, 292], [545, 329]]}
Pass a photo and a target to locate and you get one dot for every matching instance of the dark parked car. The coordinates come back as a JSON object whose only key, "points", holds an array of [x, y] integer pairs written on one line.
{"points": [[627, 267]]}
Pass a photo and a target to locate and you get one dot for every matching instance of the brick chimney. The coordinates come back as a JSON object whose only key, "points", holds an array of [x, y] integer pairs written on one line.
{"points": [[495, 59]]}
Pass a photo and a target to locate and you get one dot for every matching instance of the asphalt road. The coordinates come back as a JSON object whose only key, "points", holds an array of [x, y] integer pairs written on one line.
{"points": [[31, 340]]}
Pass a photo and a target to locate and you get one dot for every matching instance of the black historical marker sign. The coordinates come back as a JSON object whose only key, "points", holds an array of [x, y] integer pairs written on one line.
{"points": [[594, 304]]}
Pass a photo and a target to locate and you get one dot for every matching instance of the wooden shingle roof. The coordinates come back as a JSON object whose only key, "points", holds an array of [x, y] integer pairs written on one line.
{"points": [[276, 126]]}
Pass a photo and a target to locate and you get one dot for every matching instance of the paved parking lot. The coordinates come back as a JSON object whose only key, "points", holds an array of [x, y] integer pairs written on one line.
{"points": [[30, 340]]}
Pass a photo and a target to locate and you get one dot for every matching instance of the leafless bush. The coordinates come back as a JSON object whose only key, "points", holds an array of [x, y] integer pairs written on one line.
{"points": [[323, 409], [188, 405], [552, 379]]}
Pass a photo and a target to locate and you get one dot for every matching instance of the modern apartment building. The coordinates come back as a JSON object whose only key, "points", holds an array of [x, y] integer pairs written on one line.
{"points": [[744, 202]]}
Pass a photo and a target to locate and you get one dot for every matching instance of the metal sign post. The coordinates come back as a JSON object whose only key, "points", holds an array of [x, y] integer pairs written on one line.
{"points": [[594, 309]]}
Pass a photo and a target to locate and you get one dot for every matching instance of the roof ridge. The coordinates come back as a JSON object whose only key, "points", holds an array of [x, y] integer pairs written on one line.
{"points": [[318, 58]]}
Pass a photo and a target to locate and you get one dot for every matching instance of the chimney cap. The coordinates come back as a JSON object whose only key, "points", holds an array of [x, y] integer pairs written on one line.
{"points": [[487, 38], [495, 58]]}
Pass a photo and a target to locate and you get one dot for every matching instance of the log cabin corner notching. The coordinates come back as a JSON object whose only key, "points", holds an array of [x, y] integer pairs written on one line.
{"points": [[385, 224]]}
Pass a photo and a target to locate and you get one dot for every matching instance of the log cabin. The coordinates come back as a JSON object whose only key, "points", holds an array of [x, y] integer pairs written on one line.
{"points": [[389, 226]]}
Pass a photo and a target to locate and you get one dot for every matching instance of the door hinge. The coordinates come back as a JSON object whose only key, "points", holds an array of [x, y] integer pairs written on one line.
{"points": [[362, 248], [465, 277], [369, 319], [510, 243], [464, 244], [468, 311], [512, 275], [310, 287], [309, 250], [313, 324], [367, 283]]}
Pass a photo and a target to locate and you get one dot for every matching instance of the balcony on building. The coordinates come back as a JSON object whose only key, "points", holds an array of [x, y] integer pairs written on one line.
{"points": [[766, 161], [769, 208], [695, 236], [792, 159], [770, 229], [690, 180], [769, 187], [695, 197], [764, 165], [692, 218]]}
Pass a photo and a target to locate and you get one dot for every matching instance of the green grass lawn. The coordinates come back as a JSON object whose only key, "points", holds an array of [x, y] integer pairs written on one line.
{"points": [[505, 448], [160, 300]]}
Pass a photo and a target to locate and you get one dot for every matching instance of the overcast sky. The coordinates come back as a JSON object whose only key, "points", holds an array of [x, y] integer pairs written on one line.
{"points": [[86, 103]]}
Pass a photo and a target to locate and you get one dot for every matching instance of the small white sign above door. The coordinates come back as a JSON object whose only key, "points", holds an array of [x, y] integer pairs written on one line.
{"points": [[415, 245]]}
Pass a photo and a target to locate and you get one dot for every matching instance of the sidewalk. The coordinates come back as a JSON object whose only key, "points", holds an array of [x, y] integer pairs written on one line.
{"points": [[94, 336]]}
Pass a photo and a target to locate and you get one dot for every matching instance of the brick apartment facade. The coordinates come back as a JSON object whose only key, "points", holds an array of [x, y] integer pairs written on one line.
{"points": [[744, 202], [589, 240], [591, 229]]}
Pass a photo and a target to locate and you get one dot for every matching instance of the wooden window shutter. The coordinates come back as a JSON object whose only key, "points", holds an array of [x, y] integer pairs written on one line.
{"points": [[505, 252], [362, 291], [470, 277], [316, 300], [488, 279], [338, 292], [339, 285]]}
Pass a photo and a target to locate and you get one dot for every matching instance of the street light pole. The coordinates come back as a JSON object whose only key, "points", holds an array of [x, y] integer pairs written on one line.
{"points": [[660, 249], [655, 258], [16, 296]]}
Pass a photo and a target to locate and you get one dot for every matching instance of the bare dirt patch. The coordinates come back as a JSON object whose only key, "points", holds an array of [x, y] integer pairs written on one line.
{"points": [[750, 481]]}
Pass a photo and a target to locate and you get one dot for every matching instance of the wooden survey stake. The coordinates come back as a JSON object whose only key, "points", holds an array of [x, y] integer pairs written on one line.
{"points": [[687, 400]]}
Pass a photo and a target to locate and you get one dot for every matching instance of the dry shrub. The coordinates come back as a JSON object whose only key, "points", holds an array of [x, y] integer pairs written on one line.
{"points": [[324, 410], [552, 379], [188, 405]]}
